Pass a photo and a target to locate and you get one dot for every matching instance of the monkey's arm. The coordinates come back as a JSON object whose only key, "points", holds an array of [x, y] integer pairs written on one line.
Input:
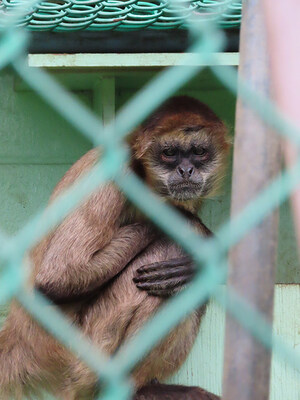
{"points": [[81, 280], [69, 280], [165, 278], [89, 247]]}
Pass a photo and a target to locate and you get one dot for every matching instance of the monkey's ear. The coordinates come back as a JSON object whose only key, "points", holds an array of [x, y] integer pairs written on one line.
{"points": [[227, 137], [221, 130], [140, 142]]}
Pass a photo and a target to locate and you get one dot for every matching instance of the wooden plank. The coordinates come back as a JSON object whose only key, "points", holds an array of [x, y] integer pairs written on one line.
{"points": [[204, 364], [45, 138], [25, 190], [84, 79], [104, 102], [253, 260], [138, 60], [32, 132], [285, 382]]}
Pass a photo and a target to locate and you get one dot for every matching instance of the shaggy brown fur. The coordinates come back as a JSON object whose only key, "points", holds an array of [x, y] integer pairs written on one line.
{"points": [[102, 245], [124, 309]]}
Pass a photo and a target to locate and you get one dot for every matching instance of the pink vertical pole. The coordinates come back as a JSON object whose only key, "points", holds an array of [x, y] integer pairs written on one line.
{"points": [[283, 33]]}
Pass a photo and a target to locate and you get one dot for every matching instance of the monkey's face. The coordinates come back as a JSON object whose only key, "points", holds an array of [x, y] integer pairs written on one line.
{"points": [[185, 165]]}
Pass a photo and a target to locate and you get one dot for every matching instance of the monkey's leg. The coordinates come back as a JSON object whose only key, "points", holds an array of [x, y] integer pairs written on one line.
{"points": [[165, 278], [28, 367], [159, 391], [119, 311]]}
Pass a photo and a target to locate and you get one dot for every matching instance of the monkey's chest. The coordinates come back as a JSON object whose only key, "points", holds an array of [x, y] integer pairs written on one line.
{"points": [[121, 308]]}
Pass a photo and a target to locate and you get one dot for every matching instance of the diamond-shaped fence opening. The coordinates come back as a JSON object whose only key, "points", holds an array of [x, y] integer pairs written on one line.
{"points": [[203, 19]]}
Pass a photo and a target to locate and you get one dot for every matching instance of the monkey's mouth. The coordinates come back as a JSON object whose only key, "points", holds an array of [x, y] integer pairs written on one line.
{"points": [[185, 190]]}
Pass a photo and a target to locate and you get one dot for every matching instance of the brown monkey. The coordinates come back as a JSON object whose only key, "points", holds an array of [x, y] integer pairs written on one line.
{"points": [[179, 152], [159, 271]]}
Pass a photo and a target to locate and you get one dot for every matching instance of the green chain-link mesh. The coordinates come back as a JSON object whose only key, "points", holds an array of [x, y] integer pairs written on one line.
{"points": [[209, 253], [94, 15]]}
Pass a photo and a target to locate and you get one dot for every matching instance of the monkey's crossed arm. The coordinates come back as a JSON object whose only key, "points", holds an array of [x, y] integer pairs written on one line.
{"points": [[165, 278], [89, 247]]}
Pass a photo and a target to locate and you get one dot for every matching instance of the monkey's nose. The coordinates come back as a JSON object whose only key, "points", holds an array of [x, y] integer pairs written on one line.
{"points": [[185, 172]]}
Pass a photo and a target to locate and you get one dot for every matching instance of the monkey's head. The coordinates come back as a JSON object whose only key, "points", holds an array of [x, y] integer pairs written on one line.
{"points": [[182, 148]]}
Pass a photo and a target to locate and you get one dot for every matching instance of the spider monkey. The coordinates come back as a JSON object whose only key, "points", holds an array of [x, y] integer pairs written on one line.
{"points": [[109, 269]]}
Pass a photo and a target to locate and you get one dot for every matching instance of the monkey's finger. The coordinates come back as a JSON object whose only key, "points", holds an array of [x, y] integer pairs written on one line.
{"points": [[160, 293], [168, 284], [169, 291], [170, 263], [164, 273]]}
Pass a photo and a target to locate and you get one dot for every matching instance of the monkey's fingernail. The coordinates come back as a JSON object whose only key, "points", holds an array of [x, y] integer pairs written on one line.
{"points": [[140, 286], [139, 270]]}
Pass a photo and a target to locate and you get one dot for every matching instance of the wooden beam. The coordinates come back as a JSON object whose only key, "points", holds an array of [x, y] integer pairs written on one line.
{"points": [[253, 260], [104, 99], [138, 60]]}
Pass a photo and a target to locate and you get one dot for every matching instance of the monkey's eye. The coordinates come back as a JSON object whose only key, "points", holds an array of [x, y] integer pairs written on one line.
{"points": [[169, 152], [200, 151]]}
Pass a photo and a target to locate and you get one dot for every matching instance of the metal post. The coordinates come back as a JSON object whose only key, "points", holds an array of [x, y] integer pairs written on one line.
{"points": [[253, 260]]}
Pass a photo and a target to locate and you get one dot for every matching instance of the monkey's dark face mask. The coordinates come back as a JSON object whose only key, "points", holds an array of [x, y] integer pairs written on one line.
{"points": [[184, 168]]}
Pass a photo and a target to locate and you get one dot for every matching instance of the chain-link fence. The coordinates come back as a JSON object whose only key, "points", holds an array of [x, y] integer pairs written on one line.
{"points": [[209, 254], [66, 15]]}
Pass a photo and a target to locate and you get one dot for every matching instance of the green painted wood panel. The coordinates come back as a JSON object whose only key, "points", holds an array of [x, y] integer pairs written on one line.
{"points": [[204, 365], [115, 61], [37, 147], [31, 132], [33, 135], [24, 190]]}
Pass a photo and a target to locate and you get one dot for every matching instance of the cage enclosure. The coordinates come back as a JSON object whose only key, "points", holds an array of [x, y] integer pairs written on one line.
{"points": [[105, 52]]}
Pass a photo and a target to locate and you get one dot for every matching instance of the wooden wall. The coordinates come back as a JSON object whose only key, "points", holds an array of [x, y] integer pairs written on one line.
{"points": [[37, 146]]}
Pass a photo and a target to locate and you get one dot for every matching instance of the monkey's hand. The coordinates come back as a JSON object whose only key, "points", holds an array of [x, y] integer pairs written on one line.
{"points": [[160, 391], [165, 278]]}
